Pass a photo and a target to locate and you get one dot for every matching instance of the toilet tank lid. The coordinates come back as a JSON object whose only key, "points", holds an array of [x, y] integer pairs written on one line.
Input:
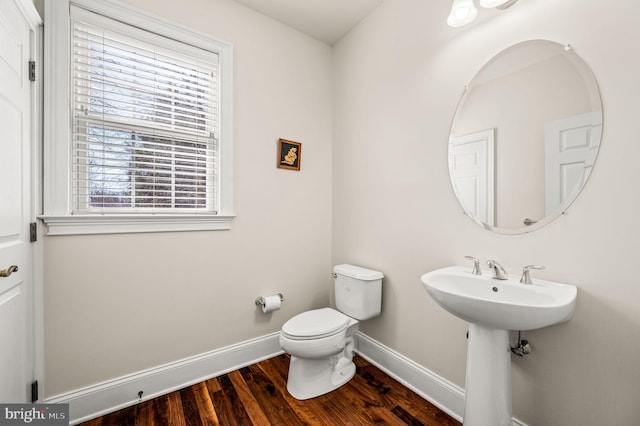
{"points": [[358, 272]]}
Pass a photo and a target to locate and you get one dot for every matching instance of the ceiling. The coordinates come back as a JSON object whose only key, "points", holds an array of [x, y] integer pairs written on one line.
{"points": [[325, 20]]}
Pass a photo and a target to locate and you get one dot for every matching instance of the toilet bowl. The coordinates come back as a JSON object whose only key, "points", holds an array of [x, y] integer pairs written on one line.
{"points": [[321, 342]]}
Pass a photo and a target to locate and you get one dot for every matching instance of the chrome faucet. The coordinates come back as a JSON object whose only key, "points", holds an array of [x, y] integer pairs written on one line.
{"points": [[526, 277], [500, 273]]}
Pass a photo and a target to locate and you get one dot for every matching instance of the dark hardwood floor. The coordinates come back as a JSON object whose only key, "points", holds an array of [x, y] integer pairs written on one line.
{"points": [[257, 395]]}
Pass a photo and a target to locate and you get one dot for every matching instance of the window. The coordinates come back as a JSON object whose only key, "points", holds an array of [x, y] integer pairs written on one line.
{"points": [[148, 144], [144, 124]]}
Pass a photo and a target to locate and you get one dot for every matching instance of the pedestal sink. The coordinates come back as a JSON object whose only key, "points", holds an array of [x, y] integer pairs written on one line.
{"points": [[493, 307]]}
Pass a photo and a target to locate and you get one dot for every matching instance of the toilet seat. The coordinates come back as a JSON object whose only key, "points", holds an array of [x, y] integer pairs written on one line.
{"points": [[315, 324]]}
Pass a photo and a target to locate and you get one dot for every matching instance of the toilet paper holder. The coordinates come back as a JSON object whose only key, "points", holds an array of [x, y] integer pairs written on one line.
{"points": [[260, 300]]}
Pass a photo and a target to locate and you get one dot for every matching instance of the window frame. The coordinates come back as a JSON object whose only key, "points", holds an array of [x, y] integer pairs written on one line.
{"points": [[57, 167]]}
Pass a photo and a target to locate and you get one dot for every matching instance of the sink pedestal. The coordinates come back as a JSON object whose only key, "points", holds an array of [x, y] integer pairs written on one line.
{"points": [[488, 379]]}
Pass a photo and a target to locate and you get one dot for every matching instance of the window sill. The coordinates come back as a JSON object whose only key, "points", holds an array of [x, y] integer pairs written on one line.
{"points": [[129, 224]]}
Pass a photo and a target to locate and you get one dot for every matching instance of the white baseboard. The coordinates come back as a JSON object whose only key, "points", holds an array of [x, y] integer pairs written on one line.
{"points": [[116, 394], [103, 398]]}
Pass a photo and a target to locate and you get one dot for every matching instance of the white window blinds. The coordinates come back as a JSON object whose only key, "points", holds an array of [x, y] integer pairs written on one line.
{"points": [[144, 121]]}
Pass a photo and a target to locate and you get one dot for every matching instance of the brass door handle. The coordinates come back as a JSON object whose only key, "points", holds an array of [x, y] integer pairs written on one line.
{"points": [[10, 270]]}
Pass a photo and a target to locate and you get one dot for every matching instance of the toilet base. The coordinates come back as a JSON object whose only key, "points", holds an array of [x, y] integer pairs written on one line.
{"points": [[309, 378]]}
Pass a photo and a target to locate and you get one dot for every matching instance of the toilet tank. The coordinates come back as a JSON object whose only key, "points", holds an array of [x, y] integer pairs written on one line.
{"points": [[358, 291]]}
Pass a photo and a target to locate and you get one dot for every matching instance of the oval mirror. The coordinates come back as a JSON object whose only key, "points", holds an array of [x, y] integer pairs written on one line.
{"points": [[525, 137]]}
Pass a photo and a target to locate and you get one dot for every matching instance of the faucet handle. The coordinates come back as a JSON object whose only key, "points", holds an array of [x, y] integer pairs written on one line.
{"points": [[476, 265], [526, 276]]}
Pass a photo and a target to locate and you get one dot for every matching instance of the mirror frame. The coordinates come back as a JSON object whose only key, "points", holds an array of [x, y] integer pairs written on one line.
{"points": [[593, 94]]}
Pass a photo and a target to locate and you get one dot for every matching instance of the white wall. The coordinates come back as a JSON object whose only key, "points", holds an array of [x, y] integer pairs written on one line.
{"points": [[397, 80], [118, 304]]}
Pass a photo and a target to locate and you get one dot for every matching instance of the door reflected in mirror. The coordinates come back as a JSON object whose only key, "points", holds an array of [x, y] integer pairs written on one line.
{"points": [[525, 137]]}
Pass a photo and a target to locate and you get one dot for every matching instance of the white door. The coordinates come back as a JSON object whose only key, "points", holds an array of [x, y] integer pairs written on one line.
{"points": [[471, 165], [571, 146], [16, 287]]}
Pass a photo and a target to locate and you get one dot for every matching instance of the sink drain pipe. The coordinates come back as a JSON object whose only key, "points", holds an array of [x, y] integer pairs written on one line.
{"points": [[522, 346]]}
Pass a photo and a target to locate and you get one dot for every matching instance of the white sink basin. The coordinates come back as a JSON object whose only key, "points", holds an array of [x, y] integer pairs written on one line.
{"points": [[500, 304]]}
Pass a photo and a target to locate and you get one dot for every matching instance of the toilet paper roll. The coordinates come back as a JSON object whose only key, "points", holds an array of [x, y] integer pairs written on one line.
{"points": [[271, 303]]}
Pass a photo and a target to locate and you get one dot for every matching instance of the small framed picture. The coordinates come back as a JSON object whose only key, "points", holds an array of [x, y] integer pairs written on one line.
{"points": [[289, 154]]}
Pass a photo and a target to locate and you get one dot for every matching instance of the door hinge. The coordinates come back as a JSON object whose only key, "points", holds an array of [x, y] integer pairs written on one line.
{"points": [[32, 70], [33, 232], [34, 391]]}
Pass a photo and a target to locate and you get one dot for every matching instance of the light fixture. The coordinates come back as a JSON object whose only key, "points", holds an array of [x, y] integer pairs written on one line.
{"points": [[462, 12]]}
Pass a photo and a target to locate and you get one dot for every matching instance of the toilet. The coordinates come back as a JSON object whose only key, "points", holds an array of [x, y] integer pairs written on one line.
{"points": [[321, 342]]}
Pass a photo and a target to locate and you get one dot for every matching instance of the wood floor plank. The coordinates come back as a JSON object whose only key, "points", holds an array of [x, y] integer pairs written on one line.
{"points": [[364, 404], [277, 370], [213, 385], [406, 417], [257, 396], [94, 422], [411, 403], [347, 409], [174, 409], [393, 394], [205, 405], [125, 417], [253, 409], [144, 416], [273, 403], [190, 407], [227, 404], [370, 412], [160, 410]]}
